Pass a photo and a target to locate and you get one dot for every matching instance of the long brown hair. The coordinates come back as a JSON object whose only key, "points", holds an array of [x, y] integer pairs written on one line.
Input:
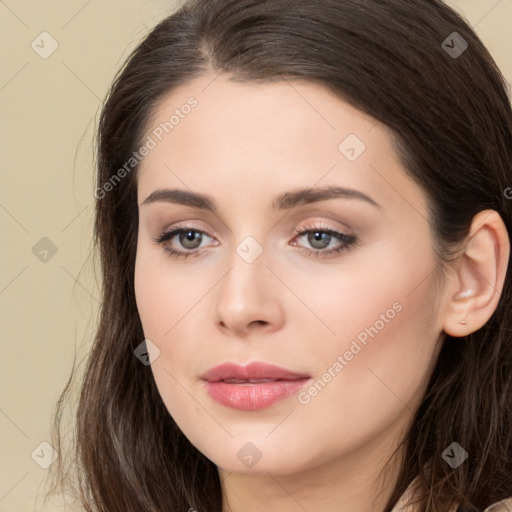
{"points": [[452, 124]]}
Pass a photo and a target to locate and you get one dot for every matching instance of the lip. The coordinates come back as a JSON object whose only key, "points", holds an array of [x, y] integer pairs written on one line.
{"points": [[253, 387]]}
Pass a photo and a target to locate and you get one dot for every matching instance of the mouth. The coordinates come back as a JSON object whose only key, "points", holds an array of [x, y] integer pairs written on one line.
{"points": [[250, 381], [252, 387], [256, 372]]}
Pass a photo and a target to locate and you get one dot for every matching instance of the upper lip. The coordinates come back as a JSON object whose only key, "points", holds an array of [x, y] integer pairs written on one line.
{"points": [[253, 371]]}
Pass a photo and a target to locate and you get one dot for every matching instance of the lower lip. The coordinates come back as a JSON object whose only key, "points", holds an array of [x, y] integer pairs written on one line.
{"points": [[253, 396]]}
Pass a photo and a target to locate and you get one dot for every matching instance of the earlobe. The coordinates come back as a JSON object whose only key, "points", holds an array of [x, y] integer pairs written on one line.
{"points": [[479, 275]]}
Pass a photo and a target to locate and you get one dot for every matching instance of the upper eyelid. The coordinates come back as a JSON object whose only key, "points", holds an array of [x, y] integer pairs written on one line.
{"points": [[313, 226], [309, 227], [184, 227], [170, 233]]}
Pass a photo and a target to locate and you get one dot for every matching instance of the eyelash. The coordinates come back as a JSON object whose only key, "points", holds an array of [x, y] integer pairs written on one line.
{"points": [[347, 241]]}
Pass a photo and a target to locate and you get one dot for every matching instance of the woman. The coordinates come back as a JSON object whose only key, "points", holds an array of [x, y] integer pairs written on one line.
{"points": [[304, 218]]}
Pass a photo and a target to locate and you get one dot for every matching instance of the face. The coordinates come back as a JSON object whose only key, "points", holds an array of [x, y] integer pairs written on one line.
{"points": [[279, 229]]}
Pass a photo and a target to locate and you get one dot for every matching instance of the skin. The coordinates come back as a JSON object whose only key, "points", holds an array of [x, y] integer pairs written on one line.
{"points": [[243, 145]]}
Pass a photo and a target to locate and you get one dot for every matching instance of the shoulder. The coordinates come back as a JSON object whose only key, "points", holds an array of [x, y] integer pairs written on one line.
{"points": [[501, 506]]}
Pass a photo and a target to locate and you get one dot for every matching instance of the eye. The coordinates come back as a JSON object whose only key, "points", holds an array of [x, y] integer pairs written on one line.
{"points": [[186, 238], [325, 241], [184, 241]]}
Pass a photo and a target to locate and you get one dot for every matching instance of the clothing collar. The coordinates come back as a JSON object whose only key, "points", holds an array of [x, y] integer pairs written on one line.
{"points": [[404, 505]]}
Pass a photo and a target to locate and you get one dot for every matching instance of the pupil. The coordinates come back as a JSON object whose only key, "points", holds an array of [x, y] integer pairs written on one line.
{"points": [[189, 239], [319, 240]]}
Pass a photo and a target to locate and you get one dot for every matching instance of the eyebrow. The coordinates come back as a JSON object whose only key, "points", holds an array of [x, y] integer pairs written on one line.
{"points": [[285, 201]]}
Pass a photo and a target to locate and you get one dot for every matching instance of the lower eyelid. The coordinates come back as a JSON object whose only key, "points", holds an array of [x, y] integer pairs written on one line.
{"points": [[333, 251]]}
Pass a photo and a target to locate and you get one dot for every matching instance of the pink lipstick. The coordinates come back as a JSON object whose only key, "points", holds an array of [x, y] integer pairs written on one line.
{"points": [[252, 387]]}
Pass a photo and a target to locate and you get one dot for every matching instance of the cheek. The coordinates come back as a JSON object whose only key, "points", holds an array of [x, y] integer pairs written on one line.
{"points": [[172, 311], [377, 364], [383, 324], [164, 294], [161, 306]]}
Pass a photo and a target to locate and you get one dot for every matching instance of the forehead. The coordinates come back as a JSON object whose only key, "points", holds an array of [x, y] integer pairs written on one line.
{"points": [[251, 112], [247, 138]]}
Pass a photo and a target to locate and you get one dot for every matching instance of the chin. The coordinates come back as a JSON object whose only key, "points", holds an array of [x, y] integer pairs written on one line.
{"points": [[257, 457]]}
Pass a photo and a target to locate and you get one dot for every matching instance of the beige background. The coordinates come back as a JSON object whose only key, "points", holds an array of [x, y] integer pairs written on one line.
{"points": [[49, 109]]}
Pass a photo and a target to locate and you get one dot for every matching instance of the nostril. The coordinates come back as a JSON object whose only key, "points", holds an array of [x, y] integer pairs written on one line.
{"points": [[259, 322]]}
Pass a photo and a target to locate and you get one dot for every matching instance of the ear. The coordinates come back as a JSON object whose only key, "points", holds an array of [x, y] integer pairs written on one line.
{"points": [[477, 276]]}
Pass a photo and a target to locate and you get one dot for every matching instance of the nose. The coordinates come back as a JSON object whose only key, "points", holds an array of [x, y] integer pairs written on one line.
{"points": [[248, 299]]}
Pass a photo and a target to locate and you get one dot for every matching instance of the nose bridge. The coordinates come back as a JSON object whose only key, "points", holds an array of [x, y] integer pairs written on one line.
{"points": [[246, 296]]}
